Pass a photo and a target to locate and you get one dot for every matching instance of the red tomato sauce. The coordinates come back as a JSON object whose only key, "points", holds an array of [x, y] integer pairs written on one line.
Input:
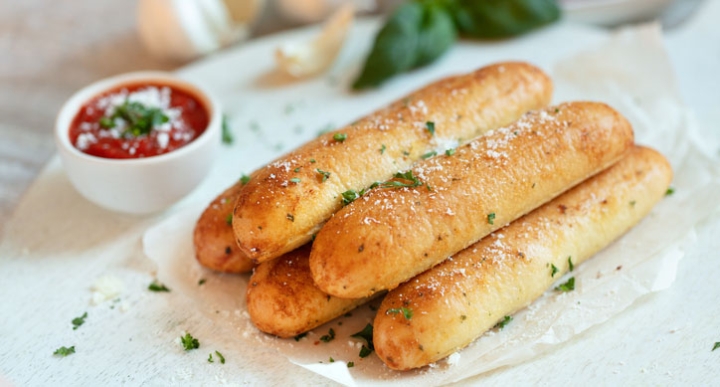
{"points": [[187, 119]]}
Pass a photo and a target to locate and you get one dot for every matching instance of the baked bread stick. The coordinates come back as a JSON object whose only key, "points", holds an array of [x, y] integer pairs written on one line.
{"points": [[287, 202], [455, 302], [282, 299], [214, 239], [392, 234]]}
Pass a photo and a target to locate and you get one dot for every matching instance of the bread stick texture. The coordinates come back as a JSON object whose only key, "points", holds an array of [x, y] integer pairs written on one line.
{"points": [[287, 202], [457, 301], [390, 235], [282, 299], [214, 239]]}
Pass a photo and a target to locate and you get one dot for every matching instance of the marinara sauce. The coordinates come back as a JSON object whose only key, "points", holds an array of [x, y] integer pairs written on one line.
{"points": [[136, 121]]}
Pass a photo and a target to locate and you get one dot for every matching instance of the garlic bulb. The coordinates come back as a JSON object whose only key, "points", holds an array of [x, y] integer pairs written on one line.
{"points": [[185, 29]]}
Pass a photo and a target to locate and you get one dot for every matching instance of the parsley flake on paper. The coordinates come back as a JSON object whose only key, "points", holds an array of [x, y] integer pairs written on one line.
{"points": [[329, 337], [227, 136], [567, 286], [716, 346], [220, 356], [505, 321], [64, 351], [156, 286], [77, 321], [189, 342]]}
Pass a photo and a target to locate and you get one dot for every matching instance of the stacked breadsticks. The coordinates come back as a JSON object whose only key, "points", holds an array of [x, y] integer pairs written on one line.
{"points": [[523, 188]]}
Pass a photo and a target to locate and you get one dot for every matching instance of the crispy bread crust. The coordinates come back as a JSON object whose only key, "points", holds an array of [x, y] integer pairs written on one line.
{"points": [[287, 201], [391, 235], [282, 299], [458, 300], [214, 239]]}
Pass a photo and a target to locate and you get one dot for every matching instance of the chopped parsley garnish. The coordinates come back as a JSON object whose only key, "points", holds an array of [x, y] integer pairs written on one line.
{"points": [[632, 203], [350, 195], [428, 155], [557, 110], [407, 176], [300, 336], [77, 321], [367, 335], [324, 174], [450, 152], [505, 321], [329, 337], [210, 359], [406, 312], [553, 270], [202, 281], [351, 364], [189, 342], [491, 218], [670, 191], [296, 170], [382, 149], [244, 179], [312, 161], [156, 286], [295, 180], [228, 219], [430, 126], [139, 118], [567, 286], [331, 360], [716, 346], [365, 351], [220, 356], [64, 351], [340, 137], [570, 264], [227, 136]]}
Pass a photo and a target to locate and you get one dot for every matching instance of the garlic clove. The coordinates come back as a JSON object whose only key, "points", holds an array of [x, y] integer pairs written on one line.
{"points": [[311, 58]]}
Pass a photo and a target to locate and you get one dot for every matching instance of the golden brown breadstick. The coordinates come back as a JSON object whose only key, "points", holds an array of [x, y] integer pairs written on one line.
{"points": [[457, 301], [283, 300], [213, 238], [391, 235], [288, 201]]}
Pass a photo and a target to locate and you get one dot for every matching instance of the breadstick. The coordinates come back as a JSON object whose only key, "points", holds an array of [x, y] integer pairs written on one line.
{"points": [[455, 302], [283, 301], [287, 202], [213, 237], [392, 234]]}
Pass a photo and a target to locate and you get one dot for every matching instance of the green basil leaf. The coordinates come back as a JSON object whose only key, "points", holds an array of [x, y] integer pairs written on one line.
{"points": [[437, 35], [395, 47], [503, 18]]}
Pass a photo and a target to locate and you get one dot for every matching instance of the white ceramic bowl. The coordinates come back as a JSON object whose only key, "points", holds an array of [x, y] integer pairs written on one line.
{"points": [[142, 185]]}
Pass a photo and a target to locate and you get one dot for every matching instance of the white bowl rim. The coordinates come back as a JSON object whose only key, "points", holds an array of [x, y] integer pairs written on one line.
{"points": [[70, 108]]}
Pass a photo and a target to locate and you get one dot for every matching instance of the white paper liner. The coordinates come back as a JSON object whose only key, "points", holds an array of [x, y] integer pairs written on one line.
{"points": [[632, 74]]}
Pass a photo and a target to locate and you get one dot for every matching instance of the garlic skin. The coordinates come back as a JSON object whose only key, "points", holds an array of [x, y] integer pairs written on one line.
{"points": [[185, 29]]}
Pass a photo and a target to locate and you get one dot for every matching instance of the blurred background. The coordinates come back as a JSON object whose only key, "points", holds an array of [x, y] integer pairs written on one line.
{"points": [[50, 49]]}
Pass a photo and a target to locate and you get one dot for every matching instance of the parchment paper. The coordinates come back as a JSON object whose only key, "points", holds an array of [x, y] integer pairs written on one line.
{"points": [[632, 74]]}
